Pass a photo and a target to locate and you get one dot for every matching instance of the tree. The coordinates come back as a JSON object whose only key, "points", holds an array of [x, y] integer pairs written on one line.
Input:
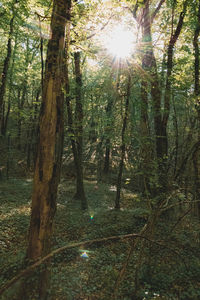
{"points": [[123, 144], [196, 153], [7, 60], [49, 155], [149, 64]]}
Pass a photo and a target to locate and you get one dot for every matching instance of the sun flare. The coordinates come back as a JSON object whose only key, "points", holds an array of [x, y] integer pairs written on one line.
{"points": [[120, 42]]}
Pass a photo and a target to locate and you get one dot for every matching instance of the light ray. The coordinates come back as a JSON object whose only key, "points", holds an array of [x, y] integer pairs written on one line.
{"points": [[119, 41]]}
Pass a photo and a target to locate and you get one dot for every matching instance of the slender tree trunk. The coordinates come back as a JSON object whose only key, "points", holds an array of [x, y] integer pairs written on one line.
{"points": [[160, 121], [21, 101], [80, 192], [150, 68], [49, 155], [146, 159], [108, 134], [76, 126], [99, 154], [35, 127], [6, 66], [123, 146], [8, 157], [170, 50], [73, 132], [176, 130], [41, 53], [196, 153]]}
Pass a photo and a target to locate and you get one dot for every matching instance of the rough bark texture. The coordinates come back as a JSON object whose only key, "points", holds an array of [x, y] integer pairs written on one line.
{"points": [[48, 162]]}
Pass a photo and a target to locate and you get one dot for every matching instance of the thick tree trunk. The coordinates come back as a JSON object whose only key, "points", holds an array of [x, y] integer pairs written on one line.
{"points": [[123, 146], [47, 171], [48, 162]]}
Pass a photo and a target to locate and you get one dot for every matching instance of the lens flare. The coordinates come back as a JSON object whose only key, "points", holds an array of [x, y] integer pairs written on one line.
{"points": [[119, 41]]}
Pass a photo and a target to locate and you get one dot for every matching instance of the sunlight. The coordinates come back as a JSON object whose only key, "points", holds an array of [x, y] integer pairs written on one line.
{"points": [[120, 42]]}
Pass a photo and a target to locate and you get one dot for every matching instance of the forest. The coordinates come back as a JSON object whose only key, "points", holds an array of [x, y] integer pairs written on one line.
{"points": [[99, 150]]}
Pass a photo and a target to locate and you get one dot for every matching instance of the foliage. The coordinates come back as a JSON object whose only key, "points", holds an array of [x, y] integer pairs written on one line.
{"points": [[166, 264], [171, 270]]}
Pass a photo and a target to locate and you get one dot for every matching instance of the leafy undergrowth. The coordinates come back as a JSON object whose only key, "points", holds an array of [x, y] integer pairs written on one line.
{"points": [[166, 269], [14, 222]]}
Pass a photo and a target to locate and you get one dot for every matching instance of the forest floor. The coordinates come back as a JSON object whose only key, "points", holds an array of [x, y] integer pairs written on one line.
{"points": [[90, 272]]}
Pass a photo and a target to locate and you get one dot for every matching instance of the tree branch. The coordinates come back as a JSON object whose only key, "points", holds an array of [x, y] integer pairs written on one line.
{"points": [[30, 268], [157, 10]]}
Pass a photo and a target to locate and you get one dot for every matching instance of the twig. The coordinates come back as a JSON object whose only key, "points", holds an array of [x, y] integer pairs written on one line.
{"points": [[101, 29], [180, 218]]}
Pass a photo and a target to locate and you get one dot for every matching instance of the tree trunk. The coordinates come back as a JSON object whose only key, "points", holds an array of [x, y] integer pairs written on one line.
{"points": [[80, 192], [75, 132], [99, 155], [170, 50], [196, 153], [48, 162], [6, 65], [160, 121], [146, 159], [123, 146], [108, 134]]}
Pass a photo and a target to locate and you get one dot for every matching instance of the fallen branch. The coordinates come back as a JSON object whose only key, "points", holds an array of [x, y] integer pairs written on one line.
{"points": [[30, 268]]}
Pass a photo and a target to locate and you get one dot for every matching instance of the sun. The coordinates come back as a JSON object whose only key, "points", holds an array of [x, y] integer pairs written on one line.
{"points": [[119, 42]]}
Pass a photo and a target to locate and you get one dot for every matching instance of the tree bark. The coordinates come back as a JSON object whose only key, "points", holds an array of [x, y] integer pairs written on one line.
{"points": [[75, 126], [76, 139], [80, 192], [146, 158], [48, 162], [173, 39], [196, 153], [123, 146], [160, 120], [6, 63], [5, 115], [108, 133]]}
